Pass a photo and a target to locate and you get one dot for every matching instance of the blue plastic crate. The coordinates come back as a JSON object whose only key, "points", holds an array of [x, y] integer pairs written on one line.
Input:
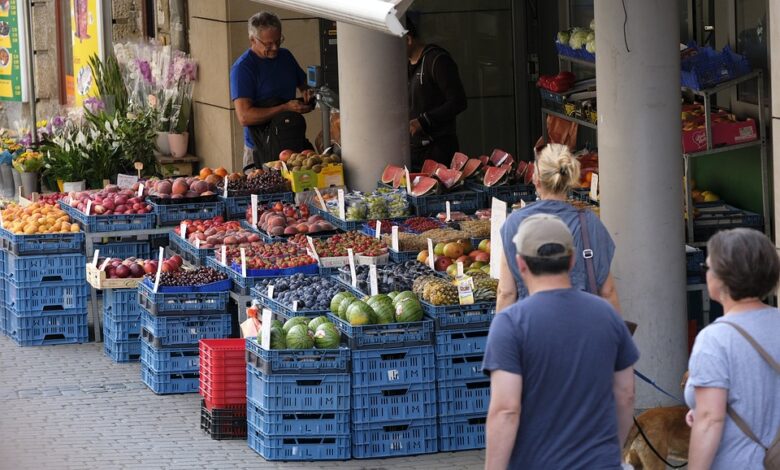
{"points": [[283, 309], [235, 207], [109, 223], [511, 194], [162, 303], [385, 336], [28, 271], [462, 432], [170, 360], [222, 286], [402, 256], [464, 397], [240, 285], [47, 298], [122, 351], [302, 423], [122, 330], [178, 331], [451, 369], [710, 67], [345, 225], [295, 393], [124, 249], [300, 448], [173, 214], [376, 404], [394, 439], [195, 256], [42, 244], [391, 367], [293, 361], [693, 262], [46, 329], [461, 342], [169, 383], [716, 216], [467, 202], [478, 315], [581, 53], [121, 305]]}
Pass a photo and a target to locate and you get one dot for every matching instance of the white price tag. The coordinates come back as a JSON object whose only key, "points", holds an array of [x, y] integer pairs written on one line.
{"points": [[89, 206], [320, 199], [295, 306], [449, 214], [265, 329], [284, 167], [224, 255], [342, 205], [104, 264], [225, 191], [372, 278], [352, 271], [254, 209], [270, 291], [141, 190], [197, 243], [95, 258], [497, 219], [183, 230], [522, 203], [2, 225], [378, 229], [159, 269], [594, 187], [394, 237], [431, 256], [243, 262], [126, 181], [312, 247], [460, 268], [408, 181]]}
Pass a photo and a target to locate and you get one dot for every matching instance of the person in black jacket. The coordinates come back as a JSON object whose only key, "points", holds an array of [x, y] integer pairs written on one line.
{"points": [[436, 97]]}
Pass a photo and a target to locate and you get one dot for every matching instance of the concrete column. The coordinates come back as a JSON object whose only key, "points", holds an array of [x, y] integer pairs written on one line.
{"points": [[641, 172], [774, 72], [373, 103]]}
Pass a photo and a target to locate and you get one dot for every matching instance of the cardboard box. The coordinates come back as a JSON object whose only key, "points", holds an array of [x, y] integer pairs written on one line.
{"points": [[331, 175], [723, 134], [302, 180]]}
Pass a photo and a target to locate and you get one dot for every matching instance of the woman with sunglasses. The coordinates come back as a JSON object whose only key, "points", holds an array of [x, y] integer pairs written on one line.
{"points": [[556, 172], [732, 390]]}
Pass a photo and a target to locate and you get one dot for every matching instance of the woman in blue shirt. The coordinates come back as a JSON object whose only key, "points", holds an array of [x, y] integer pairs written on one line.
{"points": [[556, 172]]}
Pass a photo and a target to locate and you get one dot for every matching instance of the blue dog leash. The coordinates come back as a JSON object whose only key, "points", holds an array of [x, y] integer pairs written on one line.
{"points": [[646, 379]]}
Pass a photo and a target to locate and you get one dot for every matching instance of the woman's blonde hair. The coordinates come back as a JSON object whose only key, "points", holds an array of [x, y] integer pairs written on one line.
{"points": [[558, 170]]}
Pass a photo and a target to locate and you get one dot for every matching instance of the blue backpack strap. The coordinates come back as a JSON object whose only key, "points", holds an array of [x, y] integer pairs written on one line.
{"points": [[587, 253]]}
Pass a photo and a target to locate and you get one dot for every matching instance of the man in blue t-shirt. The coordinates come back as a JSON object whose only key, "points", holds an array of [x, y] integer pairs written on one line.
{"points": [[560, 363], [264, 79]]}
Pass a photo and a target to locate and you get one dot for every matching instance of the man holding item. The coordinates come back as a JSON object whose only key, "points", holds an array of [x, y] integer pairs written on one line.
{"points": [[566, 356]]}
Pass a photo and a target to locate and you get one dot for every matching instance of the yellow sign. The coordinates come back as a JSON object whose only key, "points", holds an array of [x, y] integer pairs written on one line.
{"points": [[87, 40]]}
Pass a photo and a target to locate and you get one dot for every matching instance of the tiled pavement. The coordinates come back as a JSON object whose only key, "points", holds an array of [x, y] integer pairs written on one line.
{"points": [[70, 407]]}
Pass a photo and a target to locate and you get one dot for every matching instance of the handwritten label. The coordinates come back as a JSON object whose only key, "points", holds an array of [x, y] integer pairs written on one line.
{"points": [[224, 255], [497, 219], [89, 206], [159, 269], [183, 230], [104, 264], [320, 198], [372, 278], [408, 181], [465, 290], [270, 291], [431, 256], [126, 181], [449, 214], [225, 192], [254, 209], [141, 190], [394, 237], [312, 247], [295, 306], [243, 262], [594, 187], [378, 229], [95, 258], [342, 205], [460, 268], [265, 329], [352, 271]]}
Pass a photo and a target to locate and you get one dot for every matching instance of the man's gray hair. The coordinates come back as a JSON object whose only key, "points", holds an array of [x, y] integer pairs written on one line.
{"points": [[262, 21]]}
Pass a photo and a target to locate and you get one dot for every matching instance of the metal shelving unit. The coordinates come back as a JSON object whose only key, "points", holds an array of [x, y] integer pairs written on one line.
{"points": [[688, 158]]}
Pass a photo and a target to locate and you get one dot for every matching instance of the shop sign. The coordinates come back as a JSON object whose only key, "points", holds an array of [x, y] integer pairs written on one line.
{"points": [[87, 40], [13, 58]]}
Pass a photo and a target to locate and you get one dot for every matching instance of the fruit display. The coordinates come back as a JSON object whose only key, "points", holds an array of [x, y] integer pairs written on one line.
{"points": [[421, 224], [383, 203], [216, 232], [418, 242], [180, 278], [454, 216], [109, 201], [447, 255], [133, 268], [387, 226], [391, 277], [307, 160], [257, 182], [311, 292], [475, 228], [393, 307], [180, 189], [579, 38], [262, 256], [280, 219], [215, 175], [36, 219], [360, 243], [438, 291], [50, 198], [302, 333], [589, 164]]}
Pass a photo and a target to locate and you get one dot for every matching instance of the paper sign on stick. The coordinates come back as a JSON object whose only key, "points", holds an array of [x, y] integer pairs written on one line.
{"points": [[373, 281], [497, 219], [320, 199], [342, 205], [408, 181], [449, 214], [270, 291], [394, 237], [351, 255], [243, 262], [594, 187], [378, 229], [265, 329], [312, 247], [95, 258], [225, 192], [159, 269], [141, 190], [254, 209], [183, 230], [224, 255], [431, 256]]}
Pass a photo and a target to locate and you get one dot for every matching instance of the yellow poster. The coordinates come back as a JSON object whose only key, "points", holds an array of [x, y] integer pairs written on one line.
{"points": [[87, 40]]}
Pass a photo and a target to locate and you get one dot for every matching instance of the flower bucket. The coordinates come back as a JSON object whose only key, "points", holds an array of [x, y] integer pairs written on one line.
{"points": [[29, 184], [7, 185], [178, 143], [73, 186], [162, 143]]}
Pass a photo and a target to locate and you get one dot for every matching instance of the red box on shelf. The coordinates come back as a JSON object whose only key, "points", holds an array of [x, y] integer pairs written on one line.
{"points": [[723, 134], [223, 372]]}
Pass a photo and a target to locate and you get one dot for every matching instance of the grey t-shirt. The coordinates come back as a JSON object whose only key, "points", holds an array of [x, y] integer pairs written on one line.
{"points": [[722, 358]]}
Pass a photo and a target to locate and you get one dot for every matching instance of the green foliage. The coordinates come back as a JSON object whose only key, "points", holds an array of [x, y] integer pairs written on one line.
{"points": [[110, 83]]}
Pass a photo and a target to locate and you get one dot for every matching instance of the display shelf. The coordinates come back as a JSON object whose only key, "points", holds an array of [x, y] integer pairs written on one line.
{"points": [[727, 148], [549, 112]]}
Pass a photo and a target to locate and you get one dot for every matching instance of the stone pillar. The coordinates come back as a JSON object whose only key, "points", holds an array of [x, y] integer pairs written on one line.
{"points": [[373, 103], [774, 72], [641, 173]]}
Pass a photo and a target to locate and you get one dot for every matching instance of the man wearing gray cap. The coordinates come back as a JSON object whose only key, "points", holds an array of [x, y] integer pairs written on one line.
{"points": [[563, 354]]}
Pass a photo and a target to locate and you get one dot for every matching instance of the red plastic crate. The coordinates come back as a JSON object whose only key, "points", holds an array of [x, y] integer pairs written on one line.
{"points": [[210, 405], [223, 395], [223, 372]]}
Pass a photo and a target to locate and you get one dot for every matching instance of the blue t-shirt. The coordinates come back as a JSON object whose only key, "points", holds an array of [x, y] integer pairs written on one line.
{"points": [[567, 346], [600, 242], [262, 79]]}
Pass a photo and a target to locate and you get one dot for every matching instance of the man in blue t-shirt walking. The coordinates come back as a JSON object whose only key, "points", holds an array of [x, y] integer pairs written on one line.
{"points": [[560, 363], [264, 79]]}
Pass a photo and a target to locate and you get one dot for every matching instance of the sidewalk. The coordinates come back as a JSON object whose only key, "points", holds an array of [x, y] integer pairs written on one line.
{"points": [[70, 407]]}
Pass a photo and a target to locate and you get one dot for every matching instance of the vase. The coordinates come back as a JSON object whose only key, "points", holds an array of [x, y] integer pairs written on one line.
{"points": [[73, 186], [29, 183], [162, 143], [178, 143], [7, 185]]}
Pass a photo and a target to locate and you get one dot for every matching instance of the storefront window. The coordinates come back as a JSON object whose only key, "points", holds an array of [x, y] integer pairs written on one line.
{"points": [[752, 36]]}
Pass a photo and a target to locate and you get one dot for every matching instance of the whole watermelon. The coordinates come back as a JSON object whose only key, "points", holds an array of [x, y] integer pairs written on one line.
{"points": [[293, 322], [276, 324], [278, 339], [392, 295], [299, 337], [360, 313], [385, 312], [327, 338], [335, 302], [407, 294], [408, 310], [317, 322], [378, 298], [344, 306]]}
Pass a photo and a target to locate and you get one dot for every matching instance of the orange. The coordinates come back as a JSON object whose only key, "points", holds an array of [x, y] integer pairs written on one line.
{"points": [[205, 173], [221, 172]]}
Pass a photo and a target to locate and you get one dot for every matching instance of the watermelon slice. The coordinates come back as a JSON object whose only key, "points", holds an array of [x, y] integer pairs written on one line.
{"points": [[390, 172], [449, 178], [500, 157], [495, 176], [459, 160], [400, 179], [471, 167], [525, 171], [423, 185], [529, 173], [429, 167], [484, 159]]}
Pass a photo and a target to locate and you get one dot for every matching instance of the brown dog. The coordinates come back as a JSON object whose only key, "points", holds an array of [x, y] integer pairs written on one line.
{"points": [[667, 431]]}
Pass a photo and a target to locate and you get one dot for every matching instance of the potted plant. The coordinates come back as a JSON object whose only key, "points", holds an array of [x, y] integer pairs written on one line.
{"points": [[68, 165], [183, 73], [29, 164]]}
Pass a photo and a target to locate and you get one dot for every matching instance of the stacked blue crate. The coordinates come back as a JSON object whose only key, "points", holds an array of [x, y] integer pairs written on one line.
{"points": [[3, 317], [122, 325], [45, 298], [171, 324], [298, 403]]}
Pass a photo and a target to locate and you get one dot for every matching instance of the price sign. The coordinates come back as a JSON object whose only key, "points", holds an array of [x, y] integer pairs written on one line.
{"points": [[373, 281], [270, 291], [594, 187], [522, 203], [352, 271], [254, 209], [183, 230], [95, 258], [465, 290], [460, 268], [320, 199], [224, 255], [265, 329], [431, 256], [497, 219], [394, 237], [378, 229], [197, 243], [126, 181], [295, 306], [104, 264], [447, 208], [312, 247], [141, 190], [89, 206], [243, 262], [225, 191], [342, 205], [2, 225], [159, 269], [408, 181]]}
